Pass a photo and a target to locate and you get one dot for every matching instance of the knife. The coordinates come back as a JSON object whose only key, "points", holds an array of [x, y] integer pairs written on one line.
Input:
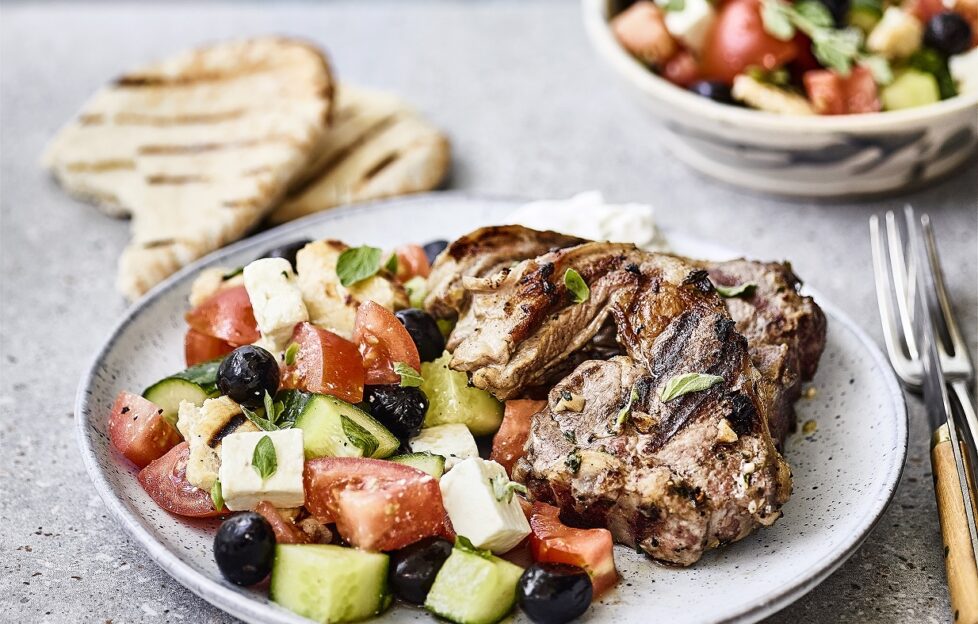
{"points": [[955, 502]]}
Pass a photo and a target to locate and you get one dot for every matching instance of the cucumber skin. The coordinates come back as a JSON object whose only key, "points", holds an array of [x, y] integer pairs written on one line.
{"points": [[353, 420], [327, 583], [167, 394], [470, 589], [425, 462], [452, 400], [324, 433]]}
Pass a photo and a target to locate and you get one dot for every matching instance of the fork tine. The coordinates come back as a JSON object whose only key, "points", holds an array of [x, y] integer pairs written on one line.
{"points": [[884, 296], [958, 347], [902, 280]]}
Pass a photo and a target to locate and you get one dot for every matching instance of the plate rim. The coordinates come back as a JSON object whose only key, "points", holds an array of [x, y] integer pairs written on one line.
{"points": [[233, 603]]}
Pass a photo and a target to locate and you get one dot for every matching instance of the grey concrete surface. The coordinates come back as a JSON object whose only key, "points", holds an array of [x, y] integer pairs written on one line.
{"points": [[530, 112]]}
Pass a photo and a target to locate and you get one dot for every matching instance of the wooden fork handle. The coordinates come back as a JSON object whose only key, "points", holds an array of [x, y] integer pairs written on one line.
{"points": [[959, 558]]}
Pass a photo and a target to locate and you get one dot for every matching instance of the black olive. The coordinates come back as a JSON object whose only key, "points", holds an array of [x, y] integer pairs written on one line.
{"points": [[400, 409], [716, 91], [554, 593], [948, 33], [434, 248], [413, 568], [247, 374], [287, 251], [244, 548], [424, 331], [839, 10]]}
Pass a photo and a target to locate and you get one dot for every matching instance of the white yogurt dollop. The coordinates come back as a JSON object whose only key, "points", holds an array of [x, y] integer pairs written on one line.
{"points": [[588, 216]]}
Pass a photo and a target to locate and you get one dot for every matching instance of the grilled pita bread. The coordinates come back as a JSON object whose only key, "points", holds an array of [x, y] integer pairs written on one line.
{"points": [[197, 149], [376, 147]]}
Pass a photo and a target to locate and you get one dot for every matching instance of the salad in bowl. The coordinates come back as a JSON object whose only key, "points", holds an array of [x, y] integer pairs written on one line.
{"points": [[808, 57]]}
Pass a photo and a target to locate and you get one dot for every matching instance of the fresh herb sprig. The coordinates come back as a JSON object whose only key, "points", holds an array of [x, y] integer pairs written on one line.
{"points": [[264, 459], [410, 378], [357, 264], [836, 48], [268, 417]]}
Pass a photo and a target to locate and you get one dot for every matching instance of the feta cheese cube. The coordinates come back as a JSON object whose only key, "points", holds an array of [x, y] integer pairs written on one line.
{"points": [[470, 497], [454, 442], [897, 35], [964, 70], [691, 24], [242, 486], [275, 298]]}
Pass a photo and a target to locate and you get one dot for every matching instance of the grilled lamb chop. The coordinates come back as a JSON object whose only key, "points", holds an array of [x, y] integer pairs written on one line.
{"points": [[523, 323], [483, 252], [670, 478], [673, 478], [785, 331]]}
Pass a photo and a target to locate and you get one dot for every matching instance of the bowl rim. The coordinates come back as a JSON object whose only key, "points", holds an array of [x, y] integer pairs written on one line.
{"points": [[595, 13]]}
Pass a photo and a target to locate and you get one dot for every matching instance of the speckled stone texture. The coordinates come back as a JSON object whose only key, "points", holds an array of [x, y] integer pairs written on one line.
{"points": [[530, 112]]}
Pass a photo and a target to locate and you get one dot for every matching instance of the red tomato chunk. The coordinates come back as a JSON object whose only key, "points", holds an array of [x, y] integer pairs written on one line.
{"points": [[591, 549], [326, 364], [508, 443], [138, 430], [832, 94], [226, 315], [376, 505], [165, 480], [198, 347], [383, 341], [738, 40], [412, 261]]}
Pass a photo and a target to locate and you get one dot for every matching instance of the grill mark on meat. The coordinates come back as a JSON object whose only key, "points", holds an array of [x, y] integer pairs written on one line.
{"points": [[743, 417]]}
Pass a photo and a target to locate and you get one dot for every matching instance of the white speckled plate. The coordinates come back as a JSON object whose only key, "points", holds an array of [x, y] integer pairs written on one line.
{"points": [[844, 473]]}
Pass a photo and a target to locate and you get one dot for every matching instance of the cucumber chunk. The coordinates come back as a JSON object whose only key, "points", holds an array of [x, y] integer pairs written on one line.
{"points": [[425, 462], [335, 428], [452, 400], [417, 290], [912, 88], [168, 393], [474, 587], [865, 14], [329, 583]]}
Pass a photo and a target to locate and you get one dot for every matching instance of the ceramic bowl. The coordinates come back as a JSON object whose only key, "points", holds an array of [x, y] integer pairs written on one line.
{"points": [[823, 156]]}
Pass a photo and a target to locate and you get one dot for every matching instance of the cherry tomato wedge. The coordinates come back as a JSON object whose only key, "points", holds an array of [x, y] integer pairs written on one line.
{"points": [[553, 541], [376, 504], [508, 443], [412, 261], [737, 40], [226, 315], [285, 531], [325, 363], [198, 347], [139, 431], [682, 69], [165, 480], [383, 341], [832, 94]]}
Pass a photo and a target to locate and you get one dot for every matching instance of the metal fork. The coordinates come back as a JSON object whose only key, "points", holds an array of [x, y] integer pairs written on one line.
{"points": [[918, 347], [895, 279]]}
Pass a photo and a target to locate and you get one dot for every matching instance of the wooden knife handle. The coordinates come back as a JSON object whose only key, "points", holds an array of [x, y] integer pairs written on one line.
{"points": [[959, 558]]}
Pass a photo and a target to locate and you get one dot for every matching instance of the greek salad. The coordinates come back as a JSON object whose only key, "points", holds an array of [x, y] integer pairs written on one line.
{"points": [[808, 57], [318, 417]]}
